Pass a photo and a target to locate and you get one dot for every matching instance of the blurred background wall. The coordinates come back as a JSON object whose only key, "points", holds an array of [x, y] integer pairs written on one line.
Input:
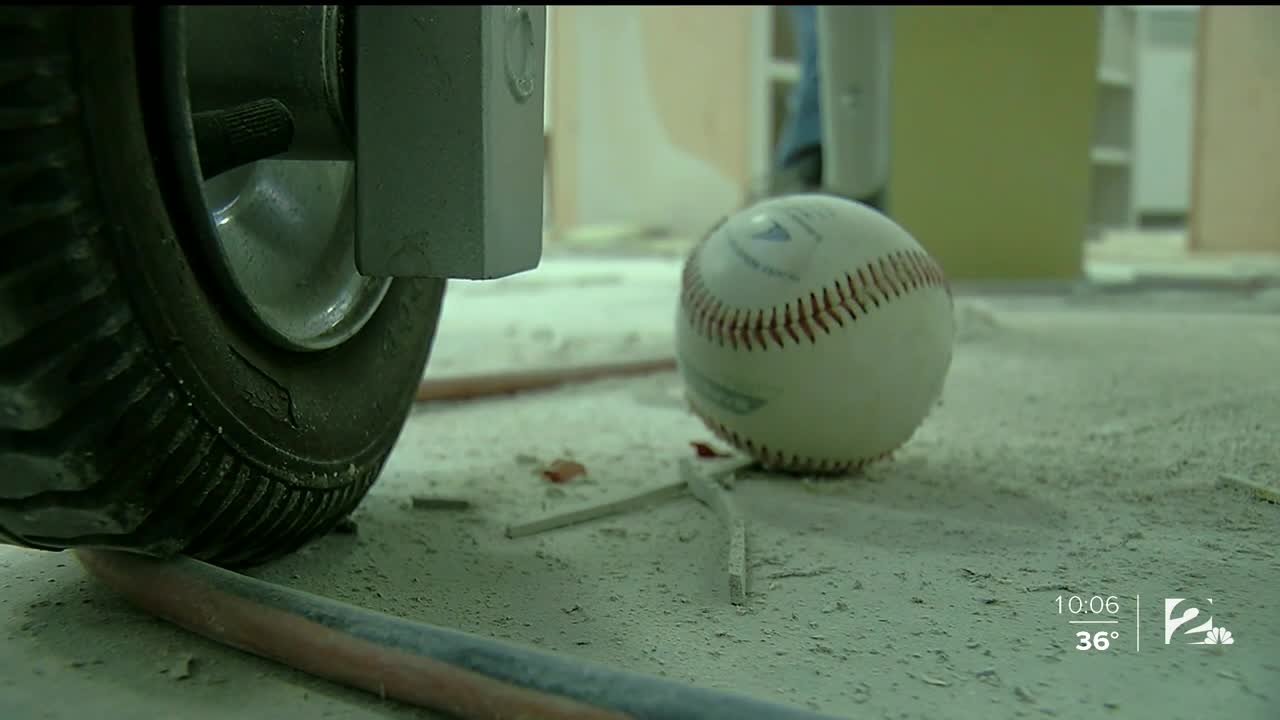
{"points": [[1025, 141]]}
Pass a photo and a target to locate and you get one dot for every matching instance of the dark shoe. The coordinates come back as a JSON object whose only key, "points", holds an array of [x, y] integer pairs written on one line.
{"points": [[803, 174], [874, 201]]}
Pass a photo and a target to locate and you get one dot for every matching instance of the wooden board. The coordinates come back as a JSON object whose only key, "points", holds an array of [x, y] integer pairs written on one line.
{"points": [[1235, 187], [992, 120]]}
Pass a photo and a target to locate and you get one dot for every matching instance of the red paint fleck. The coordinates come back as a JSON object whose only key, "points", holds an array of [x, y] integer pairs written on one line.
{"points": [[562, 471], [706, 451]]}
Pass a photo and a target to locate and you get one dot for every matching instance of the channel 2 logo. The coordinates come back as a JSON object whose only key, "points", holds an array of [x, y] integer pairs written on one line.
{"points": [[1204, 633]]}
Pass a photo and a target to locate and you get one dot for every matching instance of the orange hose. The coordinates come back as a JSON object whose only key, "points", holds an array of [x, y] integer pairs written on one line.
{"points": [[478, 386], [178, 591]]}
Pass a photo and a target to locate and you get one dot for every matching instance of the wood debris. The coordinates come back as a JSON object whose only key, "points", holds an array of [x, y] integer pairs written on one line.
{"points": [[182, 668], [562, 471], [810, 572], [711, 494], [427, 502], [600, 510], [1254, 488]]}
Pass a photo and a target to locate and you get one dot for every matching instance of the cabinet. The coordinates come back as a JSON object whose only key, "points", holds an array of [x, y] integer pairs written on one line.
{"points": [[1112, 155], [1140, 159], [1164, 102], [1237, 137]]}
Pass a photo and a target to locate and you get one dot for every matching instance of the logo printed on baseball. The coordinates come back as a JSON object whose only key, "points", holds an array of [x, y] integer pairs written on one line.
{"points": [[735, 400], [763, 243], [847, 320], [775, 233]]}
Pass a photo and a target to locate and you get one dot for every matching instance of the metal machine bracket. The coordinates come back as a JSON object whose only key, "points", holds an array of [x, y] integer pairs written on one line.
{"points": [[448, 139]]}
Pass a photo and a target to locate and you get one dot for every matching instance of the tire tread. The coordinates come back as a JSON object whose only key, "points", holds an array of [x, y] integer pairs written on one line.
{"points": [[115, 453]]}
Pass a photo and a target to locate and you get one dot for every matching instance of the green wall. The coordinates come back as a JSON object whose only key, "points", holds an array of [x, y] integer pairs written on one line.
{"points": [[992, 120]]}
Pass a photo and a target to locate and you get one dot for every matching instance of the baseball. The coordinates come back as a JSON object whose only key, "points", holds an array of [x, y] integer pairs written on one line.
{"points": [[813, 333]]}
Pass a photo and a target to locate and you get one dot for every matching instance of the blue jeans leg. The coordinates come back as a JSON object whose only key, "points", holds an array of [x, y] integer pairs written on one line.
{"points": [[803, 129]]}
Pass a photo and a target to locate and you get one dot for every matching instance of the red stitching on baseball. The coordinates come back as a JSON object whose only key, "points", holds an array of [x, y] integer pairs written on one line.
{"points": [[855, 295], [778, 460]]}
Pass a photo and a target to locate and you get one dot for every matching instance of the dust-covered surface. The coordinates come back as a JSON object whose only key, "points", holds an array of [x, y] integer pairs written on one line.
{"points": [[1078, 450]]}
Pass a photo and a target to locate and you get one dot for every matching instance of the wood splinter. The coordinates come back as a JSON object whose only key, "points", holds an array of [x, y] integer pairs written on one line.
{"points": [[427, 502], [595, 512], [1254, 488], [706, 488], [710, 493]]}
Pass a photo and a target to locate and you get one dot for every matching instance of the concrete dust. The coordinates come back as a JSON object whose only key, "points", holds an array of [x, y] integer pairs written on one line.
{"points": [[1075, 452]]}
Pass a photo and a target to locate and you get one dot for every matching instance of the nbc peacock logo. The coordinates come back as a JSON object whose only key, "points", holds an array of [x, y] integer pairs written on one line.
{"points": [[1204, 633]]}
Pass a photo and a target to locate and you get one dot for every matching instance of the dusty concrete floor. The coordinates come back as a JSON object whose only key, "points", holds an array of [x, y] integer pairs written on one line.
{"points": [[1077, 451]]}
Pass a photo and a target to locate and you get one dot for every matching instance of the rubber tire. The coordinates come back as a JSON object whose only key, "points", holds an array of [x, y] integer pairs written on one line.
{"points": [[136, 413]]}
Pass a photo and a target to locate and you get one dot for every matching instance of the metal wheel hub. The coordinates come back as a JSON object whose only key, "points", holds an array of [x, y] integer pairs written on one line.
{"points": [[280, 232], [323, 150], [286, 237]]}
